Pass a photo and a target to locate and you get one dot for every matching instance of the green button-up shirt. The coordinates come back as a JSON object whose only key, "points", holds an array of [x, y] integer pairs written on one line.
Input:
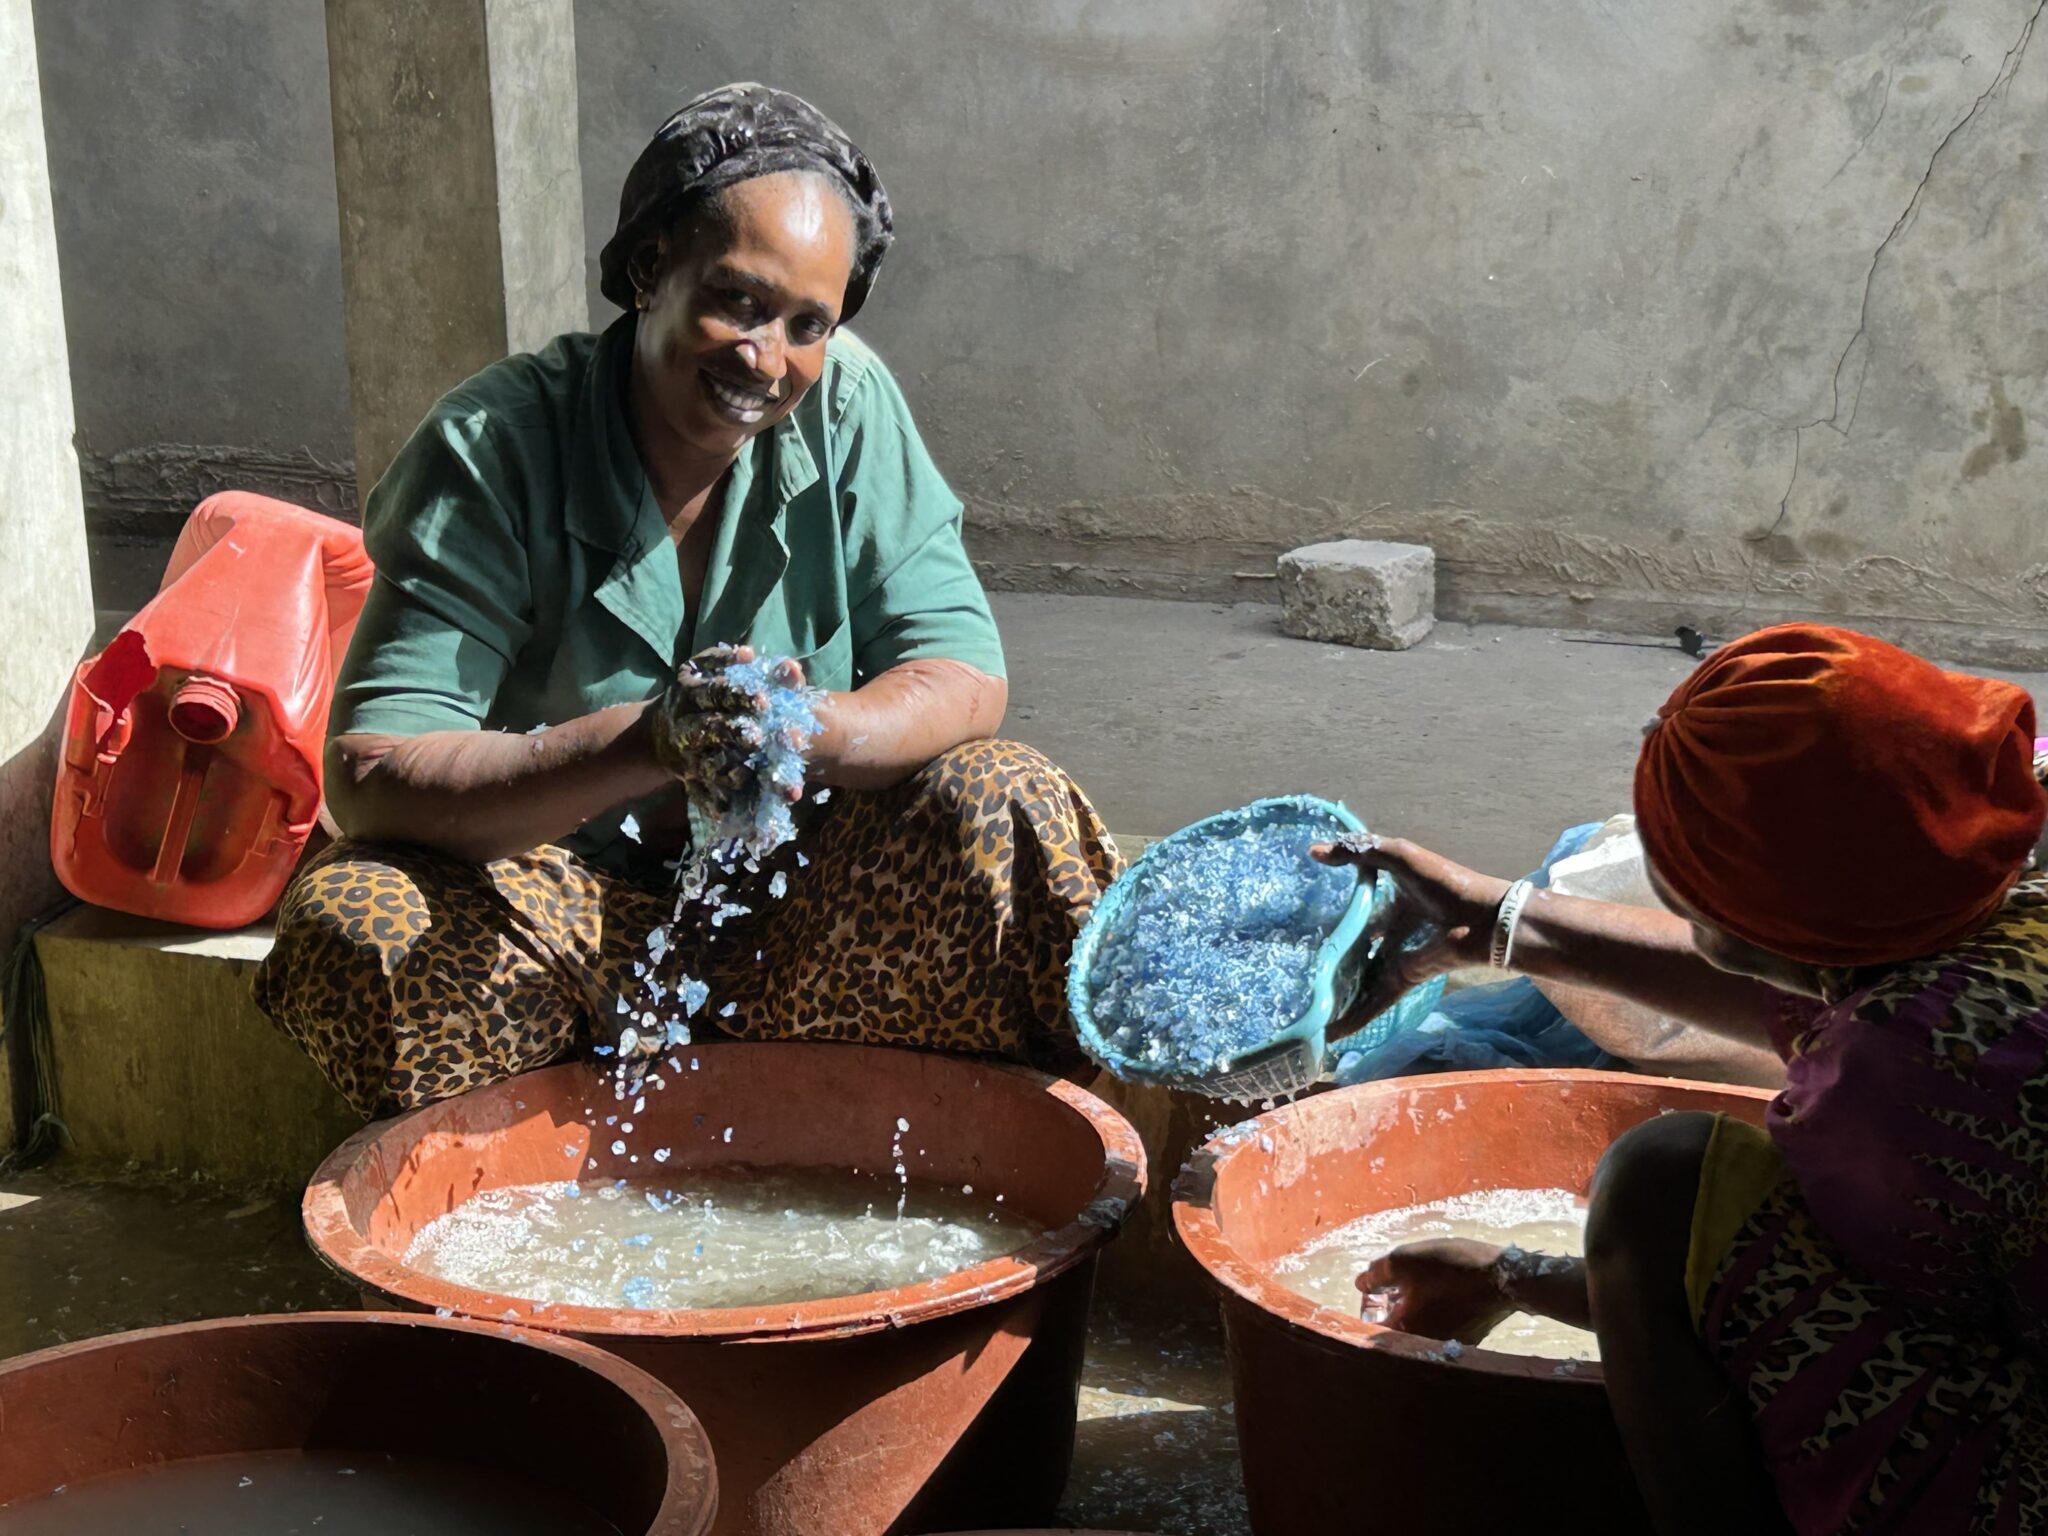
{"points": [[525, 575]]}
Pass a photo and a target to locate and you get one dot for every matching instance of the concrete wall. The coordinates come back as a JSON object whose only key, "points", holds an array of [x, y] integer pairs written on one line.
{"points": [[455, 157], [44, 591], [1638, 312], [194, 176]]}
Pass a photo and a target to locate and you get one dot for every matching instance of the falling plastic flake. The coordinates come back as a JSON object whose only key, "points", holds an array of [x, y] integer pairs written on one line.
{"points": [[730, 831]]}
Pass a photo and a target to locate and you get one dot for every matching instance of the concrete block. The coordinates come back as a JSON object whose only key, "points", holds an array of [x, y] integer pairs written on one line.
{"points": [[1359, 592], [162, 1060]]}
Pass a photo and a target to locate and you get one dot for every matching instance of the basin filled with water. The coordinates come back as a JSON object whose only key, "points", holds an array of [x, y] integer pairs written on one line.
{"points": [[349, 1424], [708, 1224], [1347, 1425]]}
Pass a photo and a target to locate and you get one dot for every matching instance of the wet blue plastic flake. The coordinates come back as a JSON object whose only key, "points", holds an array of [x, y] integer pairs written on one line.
{"points": [[1215, 951], [757, 817]]}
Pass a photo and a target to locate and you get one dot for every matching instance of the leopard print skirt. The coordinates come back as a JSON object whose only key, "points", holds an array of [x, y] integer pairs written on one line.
{"points": [[939, 913]]}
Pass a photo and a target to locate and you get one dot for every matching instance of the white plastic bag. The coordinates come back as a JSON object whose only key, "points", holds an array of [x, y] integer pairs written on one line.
{"points": [[1610, 867]]}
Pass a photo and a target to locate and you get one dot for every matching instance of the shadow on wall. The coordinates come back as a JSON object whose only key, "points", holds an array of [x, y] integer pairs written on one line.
{"points": [[138, 499], [28, 888], [192, 188]]}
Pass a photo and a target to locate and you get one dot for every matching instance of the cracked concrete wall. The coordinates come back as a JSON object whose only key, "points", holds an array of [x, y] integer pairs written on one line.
{"points": [[1639, 313], [192, 170]]}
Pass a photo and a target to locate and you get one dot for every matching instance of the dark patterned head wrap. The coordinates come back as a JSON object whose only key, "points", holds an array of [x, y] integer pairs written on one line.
{"points": [[734, 134]]}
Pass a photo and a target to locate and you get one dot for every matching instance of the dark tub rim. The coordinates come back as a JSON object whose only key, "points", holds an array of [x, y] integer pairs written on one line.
{"points": [[692, 1475], [1241, 1279], [1117, 1193]]}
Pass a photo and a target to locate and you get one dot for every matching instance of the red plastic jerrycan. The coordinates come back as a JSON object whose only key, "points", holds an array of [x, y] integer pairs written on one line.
{"points": [[192, 745]]}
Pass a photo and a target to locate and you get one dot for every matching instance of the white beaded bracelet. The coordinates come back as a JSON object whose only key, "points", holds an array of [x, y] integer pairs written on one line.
{"points": [[1506, 921]]}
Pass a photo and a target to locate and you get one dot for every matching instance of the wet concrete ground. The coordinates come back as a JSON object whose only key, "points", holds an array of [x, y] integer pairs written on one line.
{"points": [[1156, 1450]]}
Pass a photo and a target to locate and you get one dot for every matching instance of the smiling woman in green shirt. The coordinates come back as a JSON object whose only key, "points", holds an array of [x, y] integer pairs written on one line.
{"points": [[725, 465]]}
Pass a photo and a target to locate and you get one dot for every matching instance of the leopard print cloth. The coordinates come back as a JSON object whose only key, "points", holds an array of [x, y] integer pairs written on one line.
{"points": [[938, 913]]}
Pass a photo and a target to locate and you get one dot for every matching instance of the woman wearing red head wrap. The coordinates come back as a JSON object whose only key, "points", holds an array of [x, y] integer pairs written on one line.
{"points": [[1843, 1325]]}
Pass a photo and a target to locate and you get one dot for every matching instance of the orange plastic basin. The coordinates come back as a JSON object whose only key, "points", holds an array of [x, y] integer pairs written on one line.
{"points": [[934, 1407], [616, 1440], [1344, 1425]]}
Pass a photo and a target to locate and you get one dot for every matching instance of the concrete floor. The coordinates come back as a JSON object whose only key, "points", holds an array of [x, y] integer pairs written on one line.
{"points": [[1483, 742], [1156, 1450]]}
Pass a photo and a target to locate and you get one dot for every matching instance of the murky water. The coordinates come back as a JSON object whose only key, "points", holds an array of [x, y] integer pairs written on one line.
{"points": [[1546, 1221], [297, 1493], [716, 1237]]}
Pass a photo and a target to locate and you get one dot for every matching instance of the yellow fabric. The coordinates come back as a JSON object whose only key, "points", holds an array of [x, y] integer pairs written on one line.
{"points": [[1740, 1168]]}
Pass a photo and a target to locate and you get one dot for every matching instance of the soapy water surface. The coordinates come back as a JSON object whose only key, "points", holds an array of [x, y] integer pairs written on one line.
{"points": [[1215, 951], [1537, 1221], [716, 1237], [318, 1493]]}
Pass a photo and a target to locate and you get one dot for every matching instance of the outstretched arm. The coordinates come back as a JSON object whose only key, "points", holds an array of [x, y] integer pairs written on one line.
{"points": [[483, 795], [887, 729], [1443, 916]]}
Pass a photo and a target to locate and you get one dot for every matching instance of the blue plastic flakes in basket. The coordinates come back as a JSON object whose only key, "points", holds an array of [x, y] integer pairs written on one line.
{"points": [[1220, 959]]}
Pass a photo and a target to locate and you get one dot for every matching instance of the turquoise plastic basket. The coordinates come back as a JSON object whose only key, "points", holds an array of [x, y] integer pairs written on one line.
{"points": [[1293, 1059]]}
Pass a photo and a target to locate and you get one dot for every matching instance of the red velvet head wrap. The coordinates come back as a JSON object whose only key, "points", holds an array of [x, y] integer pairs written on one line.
{"points": [[1836, 800]]}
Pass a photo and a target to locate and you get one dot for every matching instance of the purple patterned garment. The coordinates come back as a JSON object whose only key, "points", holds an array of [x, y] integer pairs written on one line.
{"points": [[1887, 1311]]}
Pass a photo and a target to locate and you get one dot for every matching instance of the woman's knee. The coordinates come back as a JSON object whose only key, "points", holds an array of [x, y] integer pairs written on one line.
{"points": [[1640, 1219], [977, 778], [359, 902], [991, 758]]}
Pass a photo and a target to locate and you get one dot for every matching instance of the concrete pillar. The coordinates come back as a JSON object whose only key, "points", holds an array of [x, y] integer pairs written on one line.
{"points": [[45, 591], [455, 161]]}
